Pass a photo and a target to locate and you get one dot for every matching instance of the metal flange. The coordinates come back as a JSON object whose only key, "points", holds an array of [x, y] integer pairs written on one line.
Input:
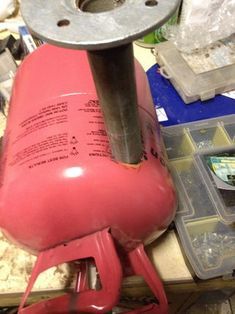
{"points": [[95, 24]]}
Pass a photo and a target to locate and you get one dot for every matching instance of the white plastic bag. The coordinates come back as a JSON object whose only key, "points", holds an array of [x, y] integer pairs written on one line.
{"points": [[202, 23], [7, 8]]}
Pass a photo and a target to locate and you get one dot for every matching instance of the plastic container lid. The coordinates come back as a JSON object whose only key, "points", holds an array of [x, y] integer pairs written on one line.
{"points": [[190, 83]]}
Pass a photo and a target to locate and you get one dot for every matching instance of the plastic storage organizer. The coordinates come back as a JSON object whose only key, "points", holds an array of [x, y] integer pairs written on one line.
{"points": [[193, 86], [204, 219]]}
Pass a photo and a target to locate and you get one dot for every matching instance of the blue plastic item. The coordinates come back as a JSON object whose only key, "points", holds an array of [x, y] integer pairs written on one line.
{"points": [[165, 96]]}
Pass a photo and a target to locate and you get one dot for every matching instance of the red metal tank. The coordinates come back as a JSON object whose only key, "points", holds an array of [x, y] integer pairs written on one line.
{"points": [[59, 181]]}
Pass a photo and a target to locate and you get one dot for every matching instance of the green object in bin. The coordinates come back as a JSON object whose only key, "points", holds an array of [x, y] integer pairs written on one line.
{"points": [[149, 39], [223, 167], [157, 36]]}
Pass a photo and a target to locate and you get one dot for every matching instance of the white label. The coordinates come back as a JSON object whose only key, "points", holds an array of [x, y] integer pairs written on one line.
{"points": [[30, 44], [161, 114], [230, 94]]}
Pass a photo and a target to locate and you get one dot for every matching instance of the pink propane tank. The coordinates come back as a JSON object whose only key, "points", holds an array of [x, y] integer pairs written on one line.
{"points": [[59, 181]]}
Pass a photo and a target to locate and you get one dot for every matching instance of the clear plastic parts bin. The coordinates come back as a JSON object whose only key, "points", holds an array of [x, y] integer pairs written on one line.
{"points": [[222, 193], [204, 221], [188, 77]]}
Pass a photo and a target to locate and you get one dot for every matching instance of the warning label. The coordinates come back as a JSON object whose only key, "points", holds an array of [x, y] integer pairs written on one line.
{"points": [[52, 144], [46, 116], [45, 161], [97, 139], [78, 130]]}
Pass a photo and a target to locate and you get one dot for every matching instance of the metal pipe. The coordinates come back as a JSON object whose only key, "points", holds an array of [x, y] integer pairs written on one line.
{"points": [[114, 77]]}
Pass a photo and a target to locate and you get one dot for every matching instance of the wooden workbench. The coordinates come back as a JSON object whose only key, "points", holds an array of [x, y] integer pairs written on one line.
{"points": [[165, 253]]}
